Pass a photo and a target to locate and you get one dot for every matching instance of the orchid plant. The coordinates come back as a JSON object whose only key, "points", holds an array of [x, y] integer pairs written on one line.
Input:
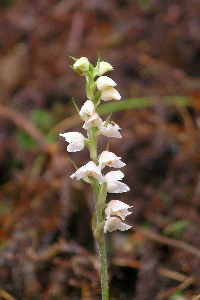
{"points": [[108, 217]]}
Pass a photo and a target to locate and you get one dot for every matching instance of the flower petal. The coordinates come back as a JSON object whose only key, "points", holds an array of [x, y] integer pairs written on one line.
{"points": [[110, 159], [114, 223], [119, 208], [117, 187], [76, 140], [113, 184], [110, 94], [111, 130], [104, 82], [114, 175], [87, 110], [93, 121], [89, 170]]}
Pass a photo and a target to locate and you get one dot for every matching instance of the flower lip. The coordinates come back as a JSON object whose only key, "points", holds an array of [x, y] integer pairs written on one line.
{"points": [[93, 121], [75, 140]]}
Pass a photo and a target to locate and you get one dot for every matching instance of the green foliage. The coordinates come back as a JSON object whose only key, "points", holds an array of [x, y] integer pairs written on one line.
{"points": [[139, 103], [24, 140], [166, 198], [6, 3], [178, 295], [44, 121], [144, 4], [177, 228]]}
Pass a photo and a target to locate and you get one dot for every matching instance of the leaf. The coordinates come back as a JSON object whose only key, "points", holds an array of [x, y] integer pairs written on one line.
{"points": [[78, 111], [75, 166], [140, 102], [176, 228], [75, 59]]}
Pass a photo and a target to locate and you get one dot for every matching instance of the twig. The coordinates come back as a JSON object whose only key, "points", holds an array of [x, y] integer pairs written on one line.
{"points": [[162, 271], [196, 298], [66, 124], [172, 274], [6, 295], [167, 241], [180, 287]]}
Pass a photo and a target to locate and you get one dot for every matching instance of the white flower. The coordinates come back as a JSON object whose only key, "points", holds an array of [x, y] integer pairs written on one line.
{"points": [[117, 208], [88, 170], [113, 183], [82, 64], [111, 130], [93, 121], [104, 67], [87, 110], [110, 159], [110, 94], [104, 82], [76, 140], [113, 223]]}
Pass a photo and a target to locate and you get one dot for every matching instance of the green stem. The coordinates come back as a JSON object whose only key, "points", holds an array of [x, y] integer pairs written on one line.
{"points": [[93, 144], [101, 243]]}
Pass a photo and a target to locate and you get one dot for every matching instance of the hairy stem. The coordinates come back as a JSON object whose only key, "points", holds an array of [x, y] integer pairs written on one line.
{"points": [[101, 243]]}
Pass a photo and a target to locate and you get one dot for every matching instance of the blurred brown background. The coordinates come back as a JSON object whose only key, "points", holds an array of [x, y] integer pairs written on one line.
{"points": [[47, 250]]}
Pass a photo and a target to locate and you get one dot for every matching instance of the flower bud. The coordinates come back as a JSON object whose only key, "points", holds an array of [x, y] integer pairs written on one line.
{"points": [[82, 64], [104, 67]]}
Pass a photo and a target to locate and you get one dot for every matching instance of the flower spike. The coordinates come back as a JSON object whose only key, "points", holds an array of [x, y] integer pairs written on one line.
{"points": [[108, 216]]}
